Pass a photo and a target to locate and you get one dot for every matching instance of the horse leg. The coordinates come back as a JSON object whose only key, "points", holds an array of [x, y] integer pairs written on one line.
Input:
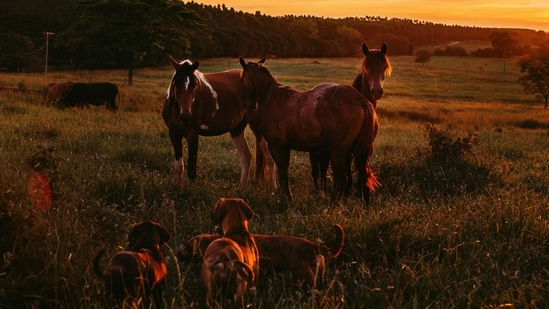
{"points": [[282, 159], [245, 157], [260, 168], [349, 183], [192, 144], [324, 162], [363, 193], [268, 163], [177, 144], [319, 161], [314, 162], [339, 170], [367, 180]]}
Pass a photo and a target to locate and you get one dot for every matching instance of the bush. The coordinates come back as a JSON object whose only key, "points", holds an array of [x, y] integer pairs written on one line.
{"points": [[444, 147]]}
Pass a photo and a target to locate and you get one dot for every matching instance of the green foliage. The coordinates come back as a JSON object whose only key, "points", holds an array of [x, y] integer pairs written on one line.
{"points": [[444, 147], [456, 51], [117, 34], [423, 56], [17, 52], [128, 33], [504, 43], [535, 77]]}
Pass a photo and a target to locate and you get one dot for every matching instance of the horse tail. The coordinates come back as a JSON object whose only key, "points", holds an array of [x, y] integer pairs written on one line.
{"points": [[96, 268], [371, 182], [364, 148]]}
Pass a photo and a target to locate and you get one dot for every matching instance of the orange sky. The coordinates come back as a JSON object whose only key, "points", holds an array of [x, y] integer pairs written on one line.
{"points": [[528, 14]]}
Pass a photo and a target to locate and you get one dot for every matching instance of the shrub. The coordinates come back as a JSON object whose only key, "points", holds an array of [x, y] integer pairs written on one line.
{"points": [[445, 147]]}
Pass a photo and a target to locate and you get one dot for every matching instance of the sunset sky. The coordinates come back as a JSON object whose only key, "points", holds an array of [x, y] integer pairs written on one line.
{"points": [[528, 14]]}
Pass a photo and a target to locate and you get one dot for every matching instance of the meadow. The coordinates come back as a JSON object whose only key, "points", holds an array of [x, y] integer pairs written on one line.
{"points": [[461, 219]]}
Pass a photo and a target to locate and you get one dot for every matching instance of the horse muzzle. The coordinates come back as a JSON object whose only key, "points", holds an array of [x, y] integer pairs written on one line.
{"points": [[250, 105], [186, 118], [377, 93]]}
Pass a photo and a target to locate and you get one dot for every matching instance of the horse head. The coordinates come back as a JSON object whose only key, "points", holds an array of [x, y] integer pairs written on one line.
{"points": [[183, 87], [374, 68], [248, 77]]}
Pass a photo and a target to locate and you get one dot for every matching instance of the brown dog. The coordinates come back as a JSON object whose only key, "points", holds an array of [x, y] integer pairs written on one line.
{"points": [[232, 261], [303, 258], [136, 275]]}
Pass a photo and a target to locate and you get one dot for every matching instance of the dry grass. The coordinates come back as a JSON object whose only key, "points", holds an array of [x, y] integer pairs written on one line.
{"points": [[470, 231]]}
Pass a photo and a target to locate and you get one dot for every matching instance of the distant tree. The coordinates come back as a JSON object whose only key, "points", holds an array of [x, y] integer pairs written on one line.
{"points": [[17, 52], [423, 56], [457, 51], [535, 77], [128, 33], [504, 43], [399, 45], [484, 52], [349, 37]]}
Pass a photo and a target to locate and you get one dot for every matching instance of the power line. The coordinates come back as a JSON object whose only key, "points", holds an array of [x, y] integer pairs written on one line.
{"points": [[23, 54], [11, 53], [36, 36]]}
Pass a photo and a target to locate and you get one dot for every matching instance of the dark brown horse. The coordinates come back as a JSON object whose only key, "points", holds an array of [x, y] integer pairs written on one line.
{"points": [[369, 81], [335, 117], [204, 104]]}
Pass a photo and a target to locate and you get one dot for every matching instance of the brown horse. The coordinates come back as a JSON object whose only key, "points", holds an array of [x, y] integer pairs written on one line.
{"points": [[369, 81], [335, 117], [208, 105]]}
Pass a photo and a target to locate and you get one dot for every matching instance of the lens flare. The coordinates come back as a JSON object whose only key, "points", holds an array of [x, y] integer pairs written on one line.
{"points": [[40, 191]]}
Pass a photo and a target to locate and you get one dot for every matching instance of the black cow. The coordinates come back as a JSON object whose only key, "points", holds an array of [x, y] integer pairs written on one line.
{"points": [[96, 94]]}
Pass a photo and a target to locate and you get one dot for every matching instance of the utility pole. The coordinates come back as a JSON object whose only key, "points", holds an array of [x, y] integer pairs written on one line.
{"points": [[47, 47]]}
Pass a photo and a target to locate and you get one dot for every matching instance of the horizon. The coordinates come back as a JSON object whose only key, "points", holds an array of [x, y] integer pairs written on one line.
{"points": [[487, 14]]}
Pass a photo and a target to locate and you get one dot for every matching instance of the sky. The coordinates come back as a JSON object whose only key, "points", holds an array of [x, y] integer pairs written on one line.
{"points": [[525, 14]]}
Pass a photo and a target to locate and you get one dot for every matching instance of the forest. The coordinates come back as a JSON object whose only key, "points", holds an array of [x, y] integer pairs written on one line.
{"points": [[110, 34]]}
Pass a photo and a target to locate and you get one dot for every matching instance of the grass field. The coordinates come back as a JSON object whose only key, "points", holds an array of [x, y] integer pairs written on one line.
{"points": [[455, 224]]}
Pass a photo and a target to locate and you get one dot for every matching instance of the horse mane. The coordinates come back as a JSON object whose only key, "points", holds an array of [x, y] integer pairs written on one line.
{"points": [[365, 62], [199, 78], [270, 76], [202, 81]]}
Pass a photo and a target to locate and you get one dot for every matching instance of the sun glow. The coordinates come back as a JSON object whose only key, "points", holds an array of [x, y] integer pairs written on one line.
{"points": [[527, 14]]}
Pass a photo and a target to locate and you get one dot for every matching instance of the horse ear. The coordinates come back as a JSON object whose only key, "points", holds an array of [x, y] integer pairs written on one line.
{"points": [[174, 62], [195, 65], [263, 59], [365, 49], [384, 48], [242, 62]]}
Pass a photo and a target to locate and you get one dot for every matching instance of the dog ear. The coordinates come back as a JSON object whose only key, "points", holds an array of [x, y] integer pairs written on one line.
{"points": [[218, 211], [165, 236], [247, 210], [244, 270], [132, 234]]}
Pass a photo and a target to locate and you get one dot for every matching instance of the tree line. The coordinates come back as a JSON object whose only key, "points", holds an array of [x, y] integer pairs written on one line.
{"points": [[133, 33]]}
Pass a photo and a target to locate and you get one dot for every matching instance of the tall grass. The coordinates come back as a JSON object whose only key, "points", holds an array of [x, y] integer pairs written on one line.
{"points": [[468, 230]]}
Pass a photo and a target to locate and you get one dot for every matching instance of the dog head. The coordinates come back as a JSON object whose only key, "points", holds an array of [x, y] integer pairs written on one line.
{"points": [[229, 211], [147, 235]]}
